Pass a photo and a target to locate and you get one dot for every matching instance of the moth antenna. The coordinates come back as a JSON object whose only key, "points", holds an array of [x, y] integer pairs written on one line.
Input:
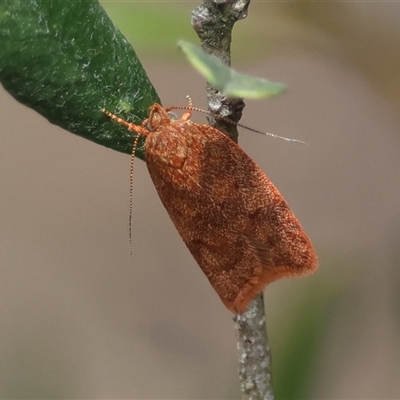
{"points": [[134, 147], [139, 130], [190, 108], [267, 133], [229, 121], [190, 102]]}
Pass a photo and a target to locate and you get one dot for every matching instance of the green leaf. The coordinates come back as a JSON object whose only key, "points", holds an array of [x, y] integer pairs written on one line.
{"points": [[67, 61], [224, 78]]}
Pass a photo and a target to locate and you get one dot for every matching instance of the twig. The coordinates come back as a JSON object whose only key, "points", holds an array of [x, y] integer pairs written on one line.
{"points": [[254, 352], [213, 22]]}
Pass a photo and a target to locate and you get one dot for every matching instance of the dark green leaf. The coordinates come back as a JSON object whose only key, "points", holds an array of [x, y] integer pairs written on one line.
{"points": [[66, 60]]}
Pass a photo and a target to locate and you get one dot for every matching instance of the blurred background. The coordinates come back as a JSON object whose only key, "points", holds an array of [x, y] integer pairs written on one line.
{"points": [[79, 319]]}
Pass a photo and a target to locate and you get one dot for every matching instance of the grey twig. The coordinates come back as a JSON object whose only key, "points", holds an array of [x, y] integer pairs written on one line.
{"points": [[213, 22], [254, 352]]}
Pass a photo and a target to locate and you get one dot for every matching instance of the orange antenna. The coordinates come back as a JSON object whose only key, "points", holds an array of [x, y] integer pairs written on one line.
{"points": [[139, 130], [229, 121], [134, 147]]}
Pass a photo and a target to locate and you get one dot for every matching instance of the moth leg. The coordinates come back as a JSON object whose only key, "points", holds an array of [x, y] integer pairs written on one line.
{"points": [[186, 116]]}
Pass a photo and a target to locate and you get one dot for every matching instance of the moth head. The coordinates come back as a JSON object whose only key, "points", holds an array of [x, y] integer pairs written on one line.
{"points": [[157, 116]]}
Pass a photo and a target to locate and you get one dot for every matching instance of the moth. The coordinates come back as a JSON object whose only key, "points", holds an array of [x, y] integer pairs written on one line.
{"points": [[232, 218]]}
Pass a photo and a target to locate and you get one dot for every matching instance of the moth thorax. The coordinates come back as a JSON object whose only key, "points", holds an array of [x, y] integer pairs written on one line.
{"points": [[164, 146]]}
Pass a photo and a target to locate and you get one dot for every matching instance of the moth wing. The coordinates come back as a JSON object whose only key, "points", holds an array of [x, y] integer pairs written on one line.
{"points": [[234, 221]]}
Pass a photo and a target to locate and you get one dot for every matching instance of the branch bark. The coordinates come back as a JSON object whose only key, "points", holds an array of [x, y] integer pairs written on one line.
{"points": [[254, 352], [213, 22]]}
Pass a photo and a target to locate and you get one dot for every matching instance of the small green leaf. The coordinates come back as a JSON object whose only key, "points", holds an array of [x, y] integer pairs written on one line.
{"points": [[224, 78]]}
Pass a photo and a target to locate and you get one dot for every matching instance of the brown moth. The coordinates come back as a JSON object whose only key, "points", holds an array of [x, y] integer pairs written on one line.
{"points": [[234, 221]]}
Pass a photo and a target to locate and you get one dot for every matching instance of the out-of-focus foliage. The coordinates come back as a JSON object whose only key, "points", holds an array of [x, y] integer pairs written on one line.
{"points": [[226, 79]]}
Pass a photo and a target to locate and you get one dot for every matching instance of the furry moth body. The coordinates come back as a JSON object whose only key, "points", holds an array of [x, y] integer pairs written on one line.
{"points": [[234, 221]]}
